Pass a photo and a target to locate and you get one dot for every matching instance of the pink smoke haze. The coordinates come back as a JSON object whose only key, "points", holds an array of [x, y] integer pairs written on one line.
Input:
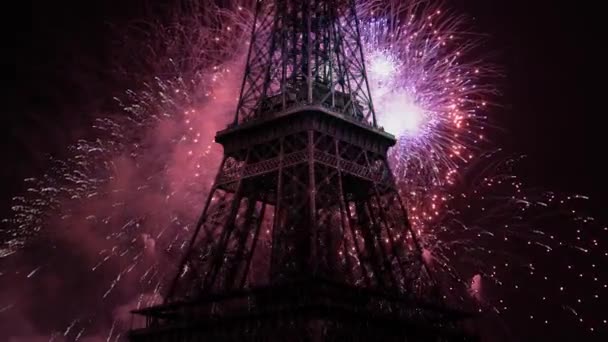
{"points": [[110, 251], [99, 232]]}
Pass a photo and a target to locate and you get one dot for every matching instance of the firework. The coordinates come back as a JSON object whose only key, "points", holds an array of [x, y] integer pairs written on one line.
{"points": [[125, 202], [429, 89]]}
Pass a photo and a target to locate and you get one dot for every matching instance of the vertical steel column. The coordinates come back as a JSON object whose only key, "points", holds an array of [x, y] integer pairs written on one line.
{"points": [[364, 74], [329, 48], [248, 66], [375, 229], [242, 237], [386, 222], [284, 40], [312, 194], [277, 209], [409, 228], [202, 219], [254, 243], [344, 220], [362, 259], [226, 231], [310, 82]]}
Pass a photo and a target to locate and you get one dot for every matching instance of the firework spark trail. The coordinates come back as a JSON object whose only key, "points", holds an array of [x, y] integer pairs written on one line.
{"points": [[154, 156], [189, 81], [428, 87], [469, 209], [131, 194]]}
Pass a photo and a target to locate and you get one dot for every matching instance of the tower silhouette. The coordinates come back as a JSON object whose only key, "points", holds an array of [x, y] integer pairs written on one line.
{"points": [[303, 236]]}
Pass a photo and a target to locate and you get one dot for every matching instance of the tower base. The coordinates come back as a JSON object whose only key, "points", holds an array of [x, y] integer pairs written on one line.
{"points": [[304, 310]]}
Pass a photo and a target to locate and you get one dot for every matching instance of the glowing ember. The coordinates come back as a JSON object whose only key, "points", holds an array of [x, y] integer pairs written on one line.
{"points": [[124, 204]]}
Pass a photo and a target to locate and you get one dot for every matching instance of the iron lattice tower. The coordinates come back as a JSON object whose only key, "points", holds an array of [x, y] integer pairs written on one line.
{"points": [[303, 235]]}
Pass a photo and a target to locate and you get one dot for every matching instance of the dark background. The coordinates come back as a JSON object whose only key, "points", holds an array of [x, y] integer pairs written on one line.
{"points": [[58, 57]]}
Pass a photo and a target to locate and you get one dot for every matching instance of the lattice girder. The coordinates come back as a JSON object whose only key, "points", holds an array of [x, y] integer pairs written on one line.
{"points": [[305, 53], [318, 200], [303, 231]]}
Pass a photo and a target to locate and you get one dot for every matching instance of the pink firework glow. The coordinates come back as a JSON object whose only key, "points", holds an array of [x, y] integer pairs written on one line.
{"points": [[429, 88], [122, 207]]}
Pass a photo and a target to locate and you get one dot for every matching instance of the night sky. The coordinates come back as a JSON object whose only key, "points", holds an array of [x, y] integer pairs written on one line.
{"points": [[57, 58], [59, 54]]}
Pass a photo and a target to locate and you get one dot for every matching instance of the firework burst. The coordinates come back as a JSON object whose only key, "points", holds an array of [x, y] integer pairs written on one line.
{"points": [[429, 89], [125, 201]]}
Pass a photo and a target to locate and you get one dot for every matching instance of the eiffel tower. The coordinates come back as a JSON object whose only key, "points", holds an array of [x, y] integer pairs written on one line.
{"points": [[303, 236]]}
